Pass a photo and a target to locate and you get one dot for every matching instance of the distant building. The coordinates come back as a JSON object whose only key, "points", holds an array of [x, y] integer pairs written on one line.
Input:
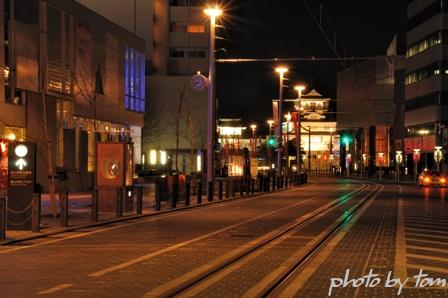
{"points": [[367, 111], [87, 67], [177, 47], [426, 83]]}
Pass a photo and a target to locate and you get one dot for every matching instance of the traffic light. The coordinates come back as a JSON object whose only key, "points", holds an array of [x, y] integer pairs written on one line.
{"points": [[346, 139], [272, 142]]}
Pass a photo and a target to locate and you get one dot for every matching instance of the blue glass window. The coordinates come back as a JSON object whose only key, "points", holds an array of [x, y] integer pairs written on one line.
{"points": [[134, 80]]}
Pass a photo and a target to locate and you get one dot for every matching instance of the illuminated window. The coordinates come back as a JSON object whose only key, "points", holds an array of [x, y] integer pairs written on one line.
{"points": [[196, 29], [134, 80]]}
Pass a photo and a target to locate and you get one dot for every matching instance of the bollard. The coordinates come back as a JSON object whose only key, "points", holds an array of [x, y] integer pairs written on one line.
{"points": [[247, 185], [158, 191], [63, 200], [35, 219], [241, 188], [173, 198], [94, 206], [200, 192], [273, 183], [119, 203], [232, 188], [187, 193], [2, 218], [210, 191], [227, 188], [139, 202], [260, 184], [220, 190]]}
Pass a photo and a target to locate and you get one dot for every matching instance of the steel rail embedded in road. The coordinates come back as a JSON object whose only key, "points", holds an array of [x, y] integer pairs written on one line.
{"points": [[183, 283], [284, 278]]}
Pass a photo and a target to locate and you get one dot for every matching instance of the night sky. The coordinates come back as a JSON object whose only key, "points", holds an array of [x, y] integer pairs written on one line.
{"points": [[285, 28]]}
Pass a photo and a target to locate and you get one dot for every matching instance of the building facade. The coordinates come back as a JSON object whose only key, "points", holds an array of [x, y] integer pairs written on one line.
{"points": [[177, 47], [70, 77], [426, 81], [367, 112]]}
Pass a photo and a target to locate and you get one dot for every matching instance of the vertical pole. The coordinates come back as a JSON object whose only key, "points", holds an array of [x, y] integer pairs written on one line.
{"points": [[279, 128], [220, 189], [200, 192], [36, 213], [309, 149], [158, 192], [139, 203], [94, 206], [64, 208], [2, 218], [119, 203], [298, 140], [211, 106], [187, 193]]}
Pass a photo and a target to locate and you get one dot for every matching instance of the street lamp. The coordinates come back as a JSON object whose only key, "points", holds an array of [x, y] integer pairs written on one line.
{"points": [[299, 89], [213, 13], [270, 123], [288, 119], [253, 127], [438, 156], [416, 158], [281, 71], [380, 160], [398, 161]]}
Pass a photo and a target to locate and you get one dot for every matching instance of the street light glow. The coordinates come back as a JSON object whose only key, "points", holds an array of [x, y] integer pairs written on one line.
{"points": [[253, 126], [281, 70], [300, 88], [213, 12]]}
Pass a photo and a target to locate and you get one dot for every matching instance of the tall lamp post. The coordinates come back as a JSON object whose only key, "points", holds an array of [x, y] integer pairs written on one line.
{"points": [[213, 13], [398, 161], [288, 119], [281, 71], [416, 158], [299, 89], [253, 127], [270, 123], [438, 156]]}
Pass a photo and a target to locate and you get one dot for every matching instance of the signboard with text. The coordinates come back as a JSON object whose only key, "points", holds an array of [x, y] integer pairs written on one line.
{"points": [[22, 180]]}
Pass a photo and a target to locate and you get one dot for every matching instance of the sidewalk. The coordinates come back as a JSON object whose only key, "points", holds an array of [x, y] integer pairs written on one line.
{"points": [[79, 213]]}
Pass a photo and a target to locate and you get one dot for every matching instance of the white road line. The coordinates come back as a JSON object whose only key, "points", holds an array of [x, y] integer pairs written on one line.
{"points": [[432, 236], [425, 257], [432, 249], [400, 244], [54, 289]]}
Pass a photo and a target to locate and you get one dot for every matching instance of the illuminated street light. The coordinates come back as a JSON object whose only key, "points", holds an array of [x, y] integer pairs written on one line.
{"points": [[270, 123], [253, 127], [213, 13], [299, 89], [281, 71], [438, 156], [398, 161]]}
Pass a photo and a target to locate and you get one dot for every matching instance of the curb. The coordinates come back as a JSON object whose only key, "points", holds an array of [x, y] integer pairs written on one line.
{"points": [[139, 216]]}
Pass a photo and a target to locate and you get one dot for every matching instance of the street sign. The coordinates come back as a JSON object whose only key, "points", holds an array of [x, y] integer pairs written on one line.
{"points": [[438, 154], [22, 181]]}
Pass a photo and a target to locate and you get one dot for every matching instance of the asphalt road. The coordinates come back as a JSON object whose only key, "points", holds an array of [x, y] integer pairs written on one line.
{"points": [[394, 228]]}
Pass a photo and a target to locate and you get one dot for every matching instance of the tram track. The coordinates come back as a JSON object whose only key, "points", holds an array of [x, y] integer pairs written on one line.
{"points": [[184, 286]]}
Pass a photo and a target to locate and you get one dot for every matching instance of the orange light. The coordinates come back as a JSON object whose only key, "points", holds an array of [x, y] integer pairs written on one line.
{"points": [[426, 179], [442, 180]]}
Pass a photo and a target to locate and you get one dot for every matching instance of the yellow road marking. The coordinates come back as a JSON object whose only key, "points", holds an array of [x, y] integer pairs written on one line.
{"points": [[54, 289]]}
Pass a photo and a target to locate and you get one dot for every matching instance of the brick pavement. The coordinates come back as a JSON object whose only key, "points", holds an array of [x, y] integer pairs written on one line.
{"points": [[70, 259]]}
